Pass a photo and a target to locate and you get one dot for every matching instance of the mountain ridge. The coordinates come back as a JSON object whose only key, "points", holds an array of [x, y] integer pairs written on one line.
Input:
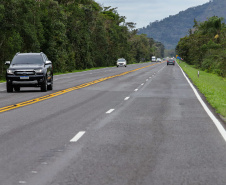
{"points": [[169, 30]]}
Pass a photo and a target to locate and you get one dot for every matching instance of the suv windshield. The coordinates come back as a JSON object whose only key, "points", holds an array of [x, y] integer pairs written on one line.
{"points": [[27, 59]]}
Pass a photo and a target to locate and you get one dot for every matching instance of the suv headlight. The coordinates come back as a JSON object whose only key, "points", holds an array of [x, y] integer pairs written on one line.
{"points": [[10, 71], [39, 70]]}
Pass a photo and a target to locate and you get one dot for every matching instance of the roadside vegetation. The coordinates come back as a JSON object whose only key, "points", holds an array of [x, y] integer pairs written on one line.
{"points": [[205, 46], [212, 86], [75, 35]]}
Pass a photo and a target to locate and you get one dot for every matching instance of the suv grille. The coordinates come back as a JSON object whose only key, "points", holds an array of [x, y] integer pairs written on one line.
{"points": [[24, 73]]}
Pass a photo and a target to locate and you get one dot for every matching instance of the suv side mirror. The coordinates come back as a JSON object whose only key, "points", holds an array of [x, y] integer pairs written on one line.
{"points": [[7, 63], [48, 62]]}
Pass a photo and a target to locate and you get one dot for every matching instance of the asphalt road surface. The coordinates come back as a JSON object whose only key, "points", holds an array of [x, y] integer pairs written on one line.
{"points": [[139, 127]]}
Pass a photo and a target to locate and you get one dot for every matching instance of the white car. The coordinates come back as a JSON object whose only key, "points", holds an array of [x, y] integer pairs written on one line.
{"points": [[159, 60], [121, 62]]}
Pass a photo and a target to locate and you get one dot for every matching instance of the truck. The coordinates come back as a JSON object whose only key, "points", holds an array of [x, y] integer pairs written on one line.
{"points": [[153, 59]]}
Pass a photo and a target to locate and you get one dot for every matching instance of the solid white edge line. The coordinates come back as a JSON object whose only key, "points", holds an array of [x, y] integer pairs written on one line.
{"points": [[77, 137], [214, 119], [110, 111], [126, 98]]}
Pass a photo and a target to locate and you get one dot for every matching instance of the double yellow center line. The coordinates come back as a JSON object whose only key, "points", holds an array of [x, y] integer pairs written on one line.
{"points": [[29, 102]]}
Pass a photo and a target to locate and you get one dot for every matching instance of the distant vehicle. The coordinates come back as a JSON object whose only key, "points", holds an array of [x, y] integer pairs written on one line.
{"points": [[29, 70], [153, 59], [159, 60], [170, 62], [121, 62]]}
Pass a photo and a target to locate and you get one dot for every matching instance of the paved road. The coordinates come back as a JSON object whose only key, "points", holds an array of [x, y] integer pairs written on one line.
{"points": [[142, 128]]}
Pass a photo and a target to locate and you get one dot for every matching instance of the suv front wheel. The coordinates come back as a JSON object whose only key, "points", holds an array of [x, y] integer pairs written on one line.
{"points": [[50, 86], [9, 86], [44, 85]]}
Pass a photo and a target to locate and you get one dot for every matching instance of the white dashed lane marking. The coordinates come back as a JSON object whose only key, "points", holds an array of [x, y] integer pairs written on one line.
{"points": [[126, 98], [22, 182], [110, 111], [77, 136]]}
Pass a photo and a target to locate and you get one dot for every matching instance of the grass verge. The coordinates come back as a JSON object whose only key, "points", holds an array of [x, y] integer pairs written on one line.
{"points": [[212, 86]]}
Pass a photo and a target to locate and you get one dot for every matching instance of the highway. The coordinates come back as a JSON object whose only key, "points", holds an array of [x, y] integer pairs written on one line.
{"points": [[135, 125]]}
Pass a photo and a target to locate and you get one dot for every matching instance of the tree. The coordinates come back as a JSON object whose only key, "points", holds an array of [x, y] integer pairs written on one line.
{"points": [[203, 49], [74, 34]]}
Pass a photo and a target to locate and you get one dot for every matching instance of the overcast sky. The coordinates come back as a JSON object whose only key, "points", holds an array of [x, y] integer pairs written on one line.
{"points": [[142, 12]]}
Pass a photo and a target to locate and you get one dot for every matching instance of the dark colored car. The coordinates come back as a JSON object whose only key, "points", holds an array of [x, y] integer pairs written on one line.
{"points": [[29, 70], [171, 62]]}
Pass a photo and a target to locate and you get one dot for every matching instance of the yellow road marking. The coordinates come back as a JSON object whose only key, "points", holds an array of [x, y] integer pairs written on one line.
{"points": [[42, 98]]}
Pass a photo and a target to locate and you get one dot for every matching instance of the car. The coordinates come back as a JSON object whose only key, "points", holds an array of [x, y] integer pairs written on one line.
{"points": [[159, 60], [121, 62], [29, 70], [153, 59], [170, 62]]}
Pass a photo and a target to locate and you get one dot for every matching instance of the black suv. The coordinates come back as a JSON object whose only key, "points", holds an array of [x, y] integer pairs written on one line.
{"points": [[29, 70]]}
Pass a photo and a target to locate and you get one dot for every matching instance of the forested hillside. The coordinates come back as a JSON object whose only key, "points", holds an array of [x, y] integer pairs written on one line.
{"points": [[171, 29], [75, 34], [205, 46]]}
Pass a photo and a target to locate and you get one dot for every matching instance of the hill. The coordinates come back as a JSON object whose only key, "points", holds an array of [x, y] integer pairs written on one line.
{"points": [[171, 29]]}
